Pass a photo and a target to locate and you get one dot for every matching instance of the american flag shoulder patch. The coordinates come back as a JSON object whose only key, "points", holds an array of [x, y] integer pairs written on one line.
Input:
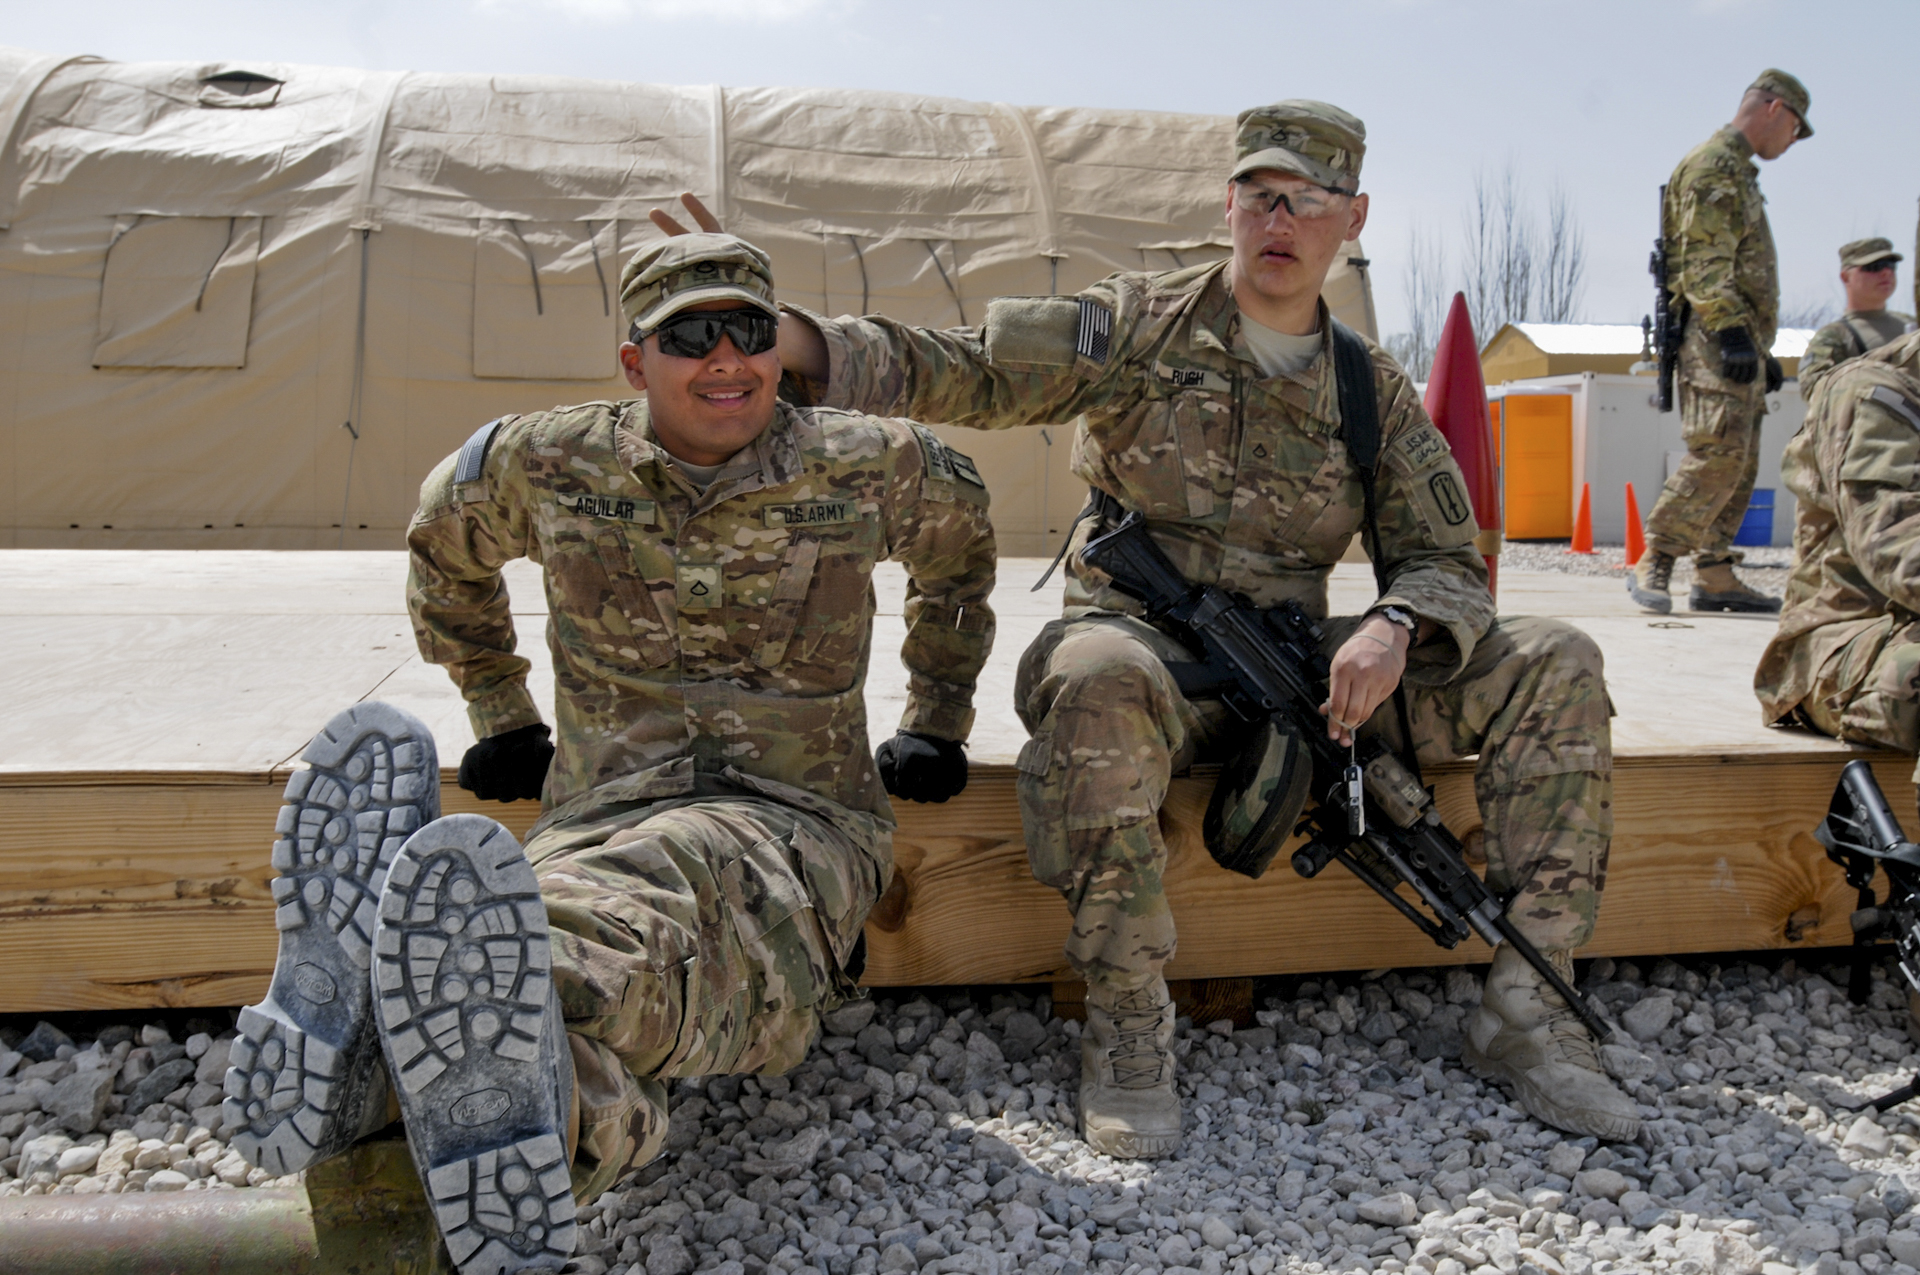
{"points": [[473, 453], [1096, 327]]}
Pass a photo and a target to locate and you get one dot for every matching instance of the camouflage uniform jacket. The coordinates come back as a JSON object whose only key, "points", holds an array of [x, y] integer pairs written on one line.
{"points": [[1845, 338], [1855, 469], [720, 632], [1720, 258], [1244, 479]]}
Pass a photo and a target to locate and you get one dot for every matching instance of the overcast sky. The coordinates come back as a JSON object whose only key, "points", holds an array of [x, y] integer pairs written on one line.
{"points": [[1603, 99]]}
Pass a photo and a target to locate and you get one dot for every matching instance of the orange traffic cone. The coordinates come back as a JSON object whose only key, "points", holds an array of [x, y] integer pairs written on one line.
{"points": [[1583, 523], [1636, 538]]}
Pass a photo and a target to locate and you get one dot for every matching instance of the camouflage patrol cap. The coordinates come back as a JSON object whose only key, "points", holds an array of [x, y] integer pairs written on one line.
{"points": [[1864, 252], [1321, 143], [665, 278], [1788, 90]]}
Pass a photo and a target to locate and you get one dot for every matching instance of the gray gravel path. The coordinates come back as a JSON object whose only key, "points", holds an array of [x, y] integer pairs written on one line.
{"points": [[934, 1132]]}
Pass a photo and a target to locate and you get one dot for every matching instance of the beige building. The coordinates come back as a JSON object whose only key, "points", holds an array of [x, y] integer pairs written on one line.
{"points": [[1522, 350]]}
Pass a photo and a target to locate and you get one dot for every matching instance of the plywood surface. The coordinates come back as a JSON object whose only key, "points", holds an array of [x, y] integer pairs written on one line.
{"points": [[150, 660]]}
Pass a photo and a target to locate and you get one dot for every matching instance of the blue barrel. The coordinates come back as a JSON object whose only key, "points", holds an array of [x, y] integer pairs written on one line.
{"points": [[1757, 527]]}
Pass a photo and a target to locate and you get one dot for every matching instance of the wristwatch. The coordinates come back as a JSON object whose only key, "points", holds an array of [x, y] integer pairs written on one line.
{"points": [[1403, 618]]}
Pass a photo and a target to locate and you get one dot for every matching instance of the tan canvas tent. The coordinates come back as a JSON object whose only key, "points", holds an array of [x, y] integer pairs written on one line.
{"points": [[208, 270]]}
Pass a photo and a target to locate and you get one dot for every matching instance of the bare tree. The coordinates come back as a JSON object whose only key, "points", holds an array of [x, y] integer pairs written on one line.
{"points": [[1424, 289], [1511, 269], [1563, 271], [1501, 251]]}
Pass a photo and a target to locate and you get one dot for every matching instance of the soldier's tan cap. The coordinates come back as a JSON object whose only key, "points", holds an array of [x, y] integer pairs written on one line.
{"points": [[1788, 90], [665, 278], [1864, 252], [1320, 142]]}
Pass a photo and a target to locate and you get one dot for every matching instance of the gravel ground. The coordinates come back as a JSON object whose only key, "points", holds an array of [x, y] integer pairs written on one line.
{"points": [[934, 1132], [122, 1107], [1763, 568]]}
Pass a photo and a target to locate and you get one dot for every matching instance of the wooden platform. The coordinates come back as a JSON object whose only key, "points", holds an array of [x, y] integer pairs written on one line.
{"points": [[156, 702]]}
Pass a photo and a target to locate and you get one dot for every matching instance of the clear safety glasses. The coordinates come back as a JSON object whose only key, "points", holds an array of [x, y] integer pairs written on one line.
{"points": [[1301, 199]]}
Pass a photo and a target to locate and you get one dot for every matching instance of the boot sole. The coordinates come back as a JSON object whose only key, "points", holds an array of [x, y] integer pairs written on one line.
{"points": [[305, 1068], [469, 1026], [1541, 1106]]}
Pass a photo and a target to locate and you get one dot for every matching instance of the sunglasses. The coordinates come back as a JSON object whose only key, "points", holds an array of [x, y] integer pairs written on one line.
{"points": [[1305, 201], [692, 334], [1878, 267]]}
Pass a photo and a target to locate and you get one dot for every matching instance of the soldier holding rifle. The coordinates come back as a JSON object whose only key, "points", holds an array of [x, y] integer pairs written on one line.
{"points": [[1723, 286], [1210, 407]]}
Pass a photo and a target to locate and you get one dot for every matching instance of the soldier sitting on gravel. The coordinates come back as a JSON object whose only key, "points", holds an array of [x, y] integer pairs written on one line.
{"points": [[1208, 402], [1846, 658], [714, 828]]}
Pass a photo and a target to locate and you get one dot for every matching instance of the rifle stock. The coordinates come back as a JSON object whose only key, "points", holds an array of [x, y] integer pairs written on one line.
{"points": [[1271, 666]]}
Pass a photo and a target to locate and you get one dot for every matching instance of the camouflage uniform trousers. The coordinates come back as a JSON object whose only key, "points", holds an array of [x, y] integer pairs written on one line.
{"points": [[1703, 504], [1110, 729], [1868, 691], [685, 943]]}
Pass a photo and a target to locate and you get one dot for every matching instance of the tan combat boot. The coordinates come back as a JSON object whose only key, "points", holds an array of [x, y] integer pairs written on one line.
{"points": [[1128, 1106], [1528, 1038], [1650, 579], [1716, 588]]}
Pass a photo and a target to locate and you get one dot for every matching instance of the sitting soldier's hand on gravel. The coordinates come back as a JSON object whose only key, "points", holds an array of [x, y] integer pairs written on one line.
{"points": [[922, 767], [510, 766]]}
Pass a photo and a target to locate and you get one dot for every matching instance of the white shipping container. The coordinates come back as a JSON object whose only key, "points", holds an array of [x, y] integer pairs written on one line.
{"points": [[1619, 437]]}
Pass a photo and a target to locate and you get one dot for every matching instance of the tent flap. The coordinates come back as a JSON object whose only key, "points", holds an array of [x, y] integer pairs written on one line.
{"points": [[543, 301], [178, 292]]}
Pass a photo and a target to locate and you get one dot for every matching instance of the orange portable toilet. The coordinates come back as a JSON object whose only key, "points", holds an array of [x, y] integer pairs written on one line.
{"points": [[1536, 464]]}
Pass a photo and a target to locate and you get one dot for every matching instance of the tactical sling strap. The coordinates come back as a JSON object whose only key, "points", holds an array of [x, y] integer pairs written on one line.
{"points": [[1360, 429]]}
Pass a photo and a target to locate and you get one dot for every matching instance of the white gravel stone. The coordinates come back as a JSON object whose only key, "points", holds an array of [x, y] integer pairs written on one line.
{"points": [[1868, 1138], [168, 1180]]}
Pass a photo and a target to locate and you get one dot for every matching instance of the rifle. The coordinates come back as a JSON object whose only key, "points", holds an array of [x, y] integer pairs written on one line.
{"points": [[1669, 320], [1861, 833], [1384, 829]]}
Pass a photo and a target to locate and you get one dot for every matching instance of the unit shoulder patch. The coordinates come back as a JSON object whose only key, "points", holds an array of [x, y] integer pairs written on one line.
{"points": [[1449, 501]]}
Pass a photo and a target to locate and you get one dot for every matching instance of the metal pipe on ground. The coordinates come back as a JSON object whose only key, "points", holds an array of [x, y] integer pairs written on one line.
{"points": [[362, 1213], [218, 1232]]}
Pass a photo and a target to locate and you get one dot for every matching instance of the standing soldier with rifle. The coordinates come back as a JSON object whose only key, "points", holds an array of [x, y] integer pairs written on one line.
{"points": [[1723, 304], [1212, 410]]}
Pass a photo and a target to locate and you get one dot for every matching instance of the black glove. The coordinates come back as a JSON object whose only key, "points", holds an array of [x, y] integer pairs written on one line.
{"points": [[508, 767], [922, 767], [1739, 361], [1776, 375]]}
